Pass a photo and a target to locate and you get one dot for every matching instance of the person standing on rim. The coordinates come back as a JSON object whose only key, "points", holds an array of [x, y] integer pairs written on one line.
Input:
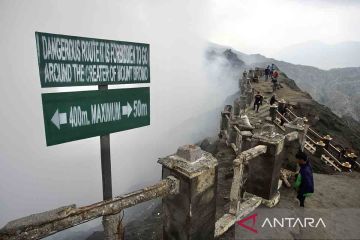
{"points": [[267, 72], [304, 183], [258, 101], [274, 80]]}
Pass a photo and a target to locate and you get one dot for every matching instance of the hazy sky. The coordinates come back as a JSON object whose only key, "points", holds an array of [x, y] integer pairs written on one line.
{"points": [[263, 26]]}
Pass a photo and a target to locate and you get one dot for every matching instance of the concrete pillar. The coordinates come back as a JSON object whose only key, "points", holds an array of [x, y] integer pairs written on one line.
{"points": [[243, 99], [113, 229], [239, 141], [246, 140], [190, 215], [224, 121], [249, 95], [264, 170], [237, 108], [232, 134]]}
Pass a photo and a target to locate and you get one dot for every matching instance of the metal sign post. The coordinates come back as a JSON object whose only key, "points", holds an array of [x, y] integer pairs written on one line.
{"points": [[113, 227], [106, 161]]}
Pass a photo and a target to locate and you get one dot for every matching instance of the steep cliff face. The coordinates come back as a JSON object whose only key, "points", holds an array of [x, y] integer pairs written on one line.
{"points": [[346, 130], [336, 88]]}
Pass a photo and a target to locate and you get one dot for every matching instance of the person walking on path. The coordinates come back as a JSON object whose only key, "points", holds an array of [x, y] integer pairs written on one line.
{"points": [[274, 80], [273, 99], [267, 73], [258, 101], [304, 183], [283, 110]]}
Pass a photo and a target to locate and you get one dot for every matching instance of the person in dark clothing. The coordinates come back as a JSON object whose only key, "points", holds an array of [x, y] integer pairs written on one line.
{"points": [[258, 101], [273, 99], [283, 110], [267, 73], [274, 80], [304, 183], [285, 114]]}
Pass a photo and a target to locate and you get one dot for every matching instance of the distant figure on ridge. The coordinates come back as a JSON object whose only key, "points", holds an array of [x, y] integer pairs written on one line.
{"points": [[245, 74], [267, 72], [258, 101], [274, 80], [273, 67], [304, 183]]}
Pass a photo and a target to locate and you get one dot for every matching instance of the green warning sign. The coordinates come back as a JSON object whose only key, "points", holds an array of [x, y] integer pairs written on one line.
{"points": [[78, 61], [77, 115]]}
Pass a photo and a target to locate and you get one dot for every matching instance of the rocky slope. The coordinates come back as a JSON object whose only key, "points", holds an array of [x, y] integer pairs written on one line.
{"points": [[336, 88], [324, 119]]}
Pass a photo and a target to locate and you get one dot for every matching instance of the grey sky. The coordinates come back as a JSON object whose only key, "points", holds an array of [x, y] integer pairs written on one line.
{"points": [[261, 26]]}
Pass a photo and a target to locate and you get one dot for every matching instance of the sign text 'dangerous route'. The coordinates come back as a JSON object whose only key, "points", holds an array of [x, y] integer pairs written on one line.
{"points": [[78, 61]]}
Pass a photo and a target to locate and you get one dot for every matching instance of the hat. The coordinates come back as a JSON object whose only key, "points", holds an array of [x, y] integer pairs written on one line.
{"points": [[327, 137], [320, 143], [346, 164], [351, 155], [282, 101], [305, 119]]}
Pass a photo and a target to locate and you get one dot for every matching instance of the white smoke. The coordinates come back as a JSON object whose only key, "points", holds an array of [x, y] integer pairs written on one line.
{"points": [[35, 178]]}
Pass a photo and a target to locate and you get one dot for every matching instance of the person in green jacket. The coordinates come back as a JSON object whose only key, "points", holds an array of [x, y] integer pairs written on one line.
{"points": [[304, 183]]}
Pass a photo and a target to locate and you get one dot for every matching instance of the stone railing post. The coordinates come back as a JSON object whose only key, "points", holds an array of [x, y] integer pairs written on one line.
{"points": [[190, 215], [264, 171], [113, 229], [301, 129], [246, 140], [232, 134], [238, 142], [249, 95], [237, 108], [243, 99], [224, 121]]}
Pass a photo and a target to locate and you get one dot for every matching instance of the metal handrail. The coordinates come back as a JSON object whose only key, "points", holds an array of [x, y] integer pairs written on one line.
{"points": [[335, 159], [282, 116], [292, 113], [315, 133], [311, 139], [332, 164]]}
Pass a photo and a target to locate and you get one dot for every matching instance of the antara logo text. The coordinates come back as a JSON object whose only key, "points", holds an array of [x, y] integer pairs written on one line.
{"points": [[286, 222]]}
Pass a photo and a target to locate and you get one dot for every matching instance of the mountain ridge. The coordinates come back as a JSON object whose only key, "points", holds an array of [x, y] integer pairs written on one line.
{"points": [[336, 88]]}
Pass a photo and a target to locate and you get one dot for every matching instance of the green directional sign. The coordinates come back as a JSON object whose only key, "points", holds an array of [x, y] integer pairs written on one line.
{"points": [[78, 61], [77, 115]]}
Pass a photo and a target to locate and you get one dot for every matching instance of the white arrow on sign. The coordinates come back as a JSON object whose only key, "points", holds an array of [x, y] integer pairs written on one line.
{"points": [[126, 110], [59, 118]]}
